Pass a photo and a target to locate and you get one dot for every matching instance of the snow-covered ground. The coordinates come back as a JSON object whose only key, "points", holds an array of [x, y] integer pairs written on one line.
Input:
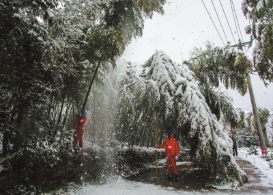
{"points": [[261, 164], [120, 186]]}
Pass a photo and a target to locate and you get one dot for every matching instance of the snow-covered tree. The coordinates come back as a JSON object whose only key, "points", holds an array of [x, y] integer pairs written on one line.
{"points": [[259, 12], [264, 116], [218, 68], [165, 95], [245, 131], [51, 53], [247, 127], [53, 50], [232, 69]]}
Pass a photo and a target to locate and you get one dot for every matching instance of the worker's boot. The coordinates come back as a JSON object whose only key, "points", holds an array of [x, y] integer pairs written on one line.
{"points": [[176, 178], [170, 177]]}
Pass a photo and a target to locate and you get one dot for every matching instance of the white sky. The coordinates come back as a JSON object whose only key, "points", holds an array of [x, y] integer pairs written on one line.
{"points": [[123, 187], [185, 25]]}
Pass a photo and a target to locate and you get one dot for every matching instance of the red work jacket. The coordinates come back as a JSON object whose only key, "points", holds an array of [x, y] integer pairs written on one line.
{"points": [[171, 146], [81, 119]]}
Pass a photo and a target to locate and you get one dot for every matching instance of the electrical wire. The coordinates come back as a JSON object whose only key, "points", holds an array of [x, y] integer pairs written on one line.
{"points": [[234, 19], [213, 22], [237, 19], [219, 20], [227, 21], [236, 23]]}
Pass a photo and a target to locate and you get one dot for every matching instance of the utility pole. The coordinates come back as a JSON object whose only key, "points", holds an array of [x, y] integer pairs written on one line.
{"points": [[240, 45], [256, 116]]}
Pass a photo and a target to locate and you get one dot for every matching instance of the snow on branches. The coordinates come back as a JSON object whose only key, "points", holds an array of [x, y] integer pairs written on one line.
{"points": [[182, 107]]}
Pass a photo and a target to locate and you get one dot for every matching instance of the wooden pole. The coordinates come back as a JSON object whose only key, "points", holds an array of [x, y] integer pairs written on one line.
{"points": [[90, 86], [156, 142], [256, 116]]}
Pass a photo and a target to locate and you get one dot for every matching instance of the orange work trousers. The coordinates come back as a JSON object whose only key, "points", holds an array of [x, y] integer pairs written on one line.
{"points": [[79, 137], [171, 165]]}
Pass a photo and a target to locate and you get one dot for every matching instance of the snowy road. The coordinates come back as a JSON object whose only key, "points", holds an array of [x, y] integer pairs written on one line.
{"points": [[121, 186]]}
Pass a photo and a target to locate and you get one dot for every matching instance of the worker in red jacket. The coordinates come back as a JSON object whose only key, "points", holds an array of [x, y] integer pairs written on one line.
{"points": [[78, 126], [172, 151]]}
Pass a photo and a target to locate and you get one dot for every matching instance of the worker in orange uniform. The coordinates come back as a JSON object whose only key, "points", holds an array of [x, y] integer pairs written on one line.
{"points": [[78, 126], [172, 151]]}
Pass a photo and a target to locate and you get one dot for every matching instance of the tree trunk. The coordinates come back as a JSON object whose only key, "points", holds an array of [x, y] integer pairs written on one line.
{"points": [[66, 116], [49, 108], [59, 118], [6, 138]]}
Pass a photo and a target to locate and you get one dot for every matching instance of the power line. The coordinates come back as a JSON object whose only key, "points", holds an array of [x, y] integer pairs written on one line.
{"points": [[235, 15], [236, 23], [213, 22], [219, 20], [237, 19], [227, 21], [234, 19]]}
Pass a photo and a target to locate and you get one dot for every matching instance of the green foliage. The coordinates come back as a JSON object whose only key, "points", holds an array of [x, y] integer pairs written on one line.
{"points": [[242, 122], [21, 189], [50, 55], [161, 96], [41, 155], [253, 150], [260, 14], [104, 43], [214, 66], [247, 126], [39, 162], [264, 116], [140, 115], [220, 105], [69, 170], [221, 169], [269, 156], [244, 127], [128, 15], [251, 123]]}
